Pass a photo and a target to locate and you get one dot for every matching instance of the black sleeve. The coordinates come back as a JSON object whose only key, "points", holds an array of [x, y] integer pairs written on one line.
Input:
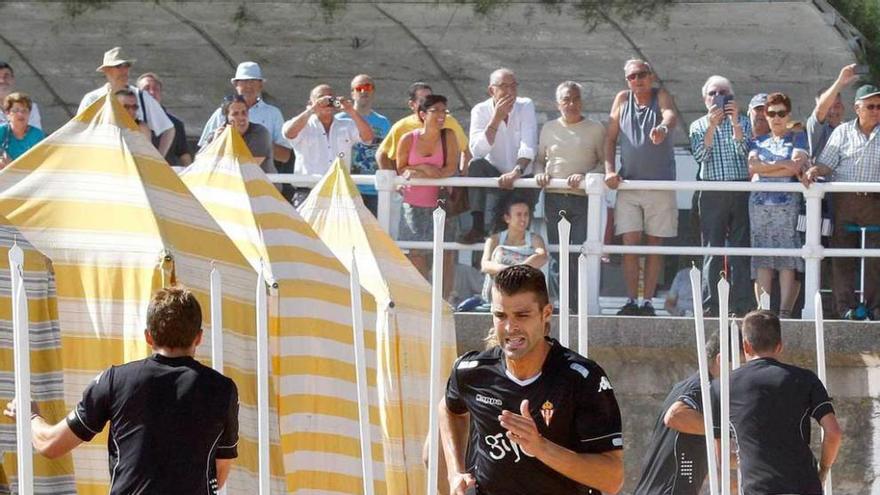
{"points": [[692, 396], [454, 401], [716, 408], [820, 403], [227, 446], [94, 410], [597, 415], [179, 147]]}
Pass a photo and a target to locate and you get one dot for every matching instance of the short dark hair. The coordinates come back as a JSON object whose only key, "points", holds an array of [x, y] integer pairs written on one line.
{"points": [[779, 99], [5, 65], [517, 279], [228, 100], [762, 330], [713, 346], [515, 199], [174, 318], [415, 87], [429, 101]]}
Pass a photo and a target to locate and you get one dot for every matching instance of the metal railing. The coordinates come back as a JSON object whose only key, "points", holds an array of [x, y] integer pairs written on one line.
{"points": [[387, 181]]}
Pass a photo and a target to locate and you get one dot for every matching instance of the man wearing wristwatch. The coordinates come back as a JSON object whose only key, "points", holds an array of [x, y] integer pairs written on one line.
{"points": [[503, 140], [719, 143], [640, 122]]}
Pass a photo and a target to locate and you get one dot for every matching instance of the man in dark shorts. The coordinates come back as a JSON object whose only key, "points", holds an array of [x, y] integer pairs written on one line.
{"points": [[771, 404], [675, 463], [533, 416], [173, 421]]}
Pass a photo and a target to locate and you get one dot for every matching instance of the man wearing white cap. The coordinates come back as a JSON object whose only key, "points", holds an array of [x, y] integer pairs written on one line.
{"points": [[115, 69], [248, 82]]}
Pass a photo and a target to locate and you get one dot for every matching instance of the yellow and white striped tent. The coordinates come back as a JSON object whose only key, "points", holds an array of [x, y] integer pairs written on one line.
{"points": [[117, 223], [403, 301], [309, 320], [47, 384]]}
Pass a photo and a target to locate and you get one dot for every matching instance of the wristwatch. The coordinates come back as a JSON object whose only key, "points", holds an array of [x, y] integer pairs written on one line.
{"points": [[663, 126]]}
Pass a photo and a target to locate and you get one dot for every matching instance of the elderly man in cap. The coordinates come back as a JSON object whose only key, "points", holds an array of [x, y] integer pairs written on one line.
{"points": [[756, 115], [248, 82], [7, 85], [852, 154], [115, 69]]}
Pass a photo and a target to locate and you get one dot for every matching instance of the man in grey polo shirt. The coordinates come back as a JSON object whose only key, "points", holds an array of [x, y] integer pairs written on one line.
{"points": [[852, 154], [829, 111], [642, 118]]}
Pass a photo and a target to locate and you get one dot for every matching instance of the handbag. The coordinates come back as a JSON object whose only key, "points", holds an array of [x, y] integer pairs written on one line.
{"points": [[455, 199]]}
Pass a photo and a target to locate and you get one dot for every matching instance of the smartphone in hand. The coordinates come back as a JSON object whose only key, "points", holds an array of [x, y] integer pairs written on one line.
{"points": [[721, 101]]}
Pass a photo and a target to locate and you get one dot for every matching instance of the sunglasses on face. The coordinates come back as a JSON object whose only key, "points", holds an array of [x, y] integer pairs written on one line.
{"points": [[363, 88], [871, 106], [637, 75], [776, 113]]}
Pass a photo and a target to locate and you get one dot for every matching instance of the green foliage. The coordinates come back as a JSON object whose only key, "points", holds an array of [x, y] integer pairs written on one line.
{"points": [[865, 16]]}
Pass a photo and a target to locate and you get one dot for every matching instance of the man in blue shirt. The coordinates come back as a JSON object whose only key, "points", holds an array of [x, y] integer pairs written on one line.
{"points": [[363, 155]]}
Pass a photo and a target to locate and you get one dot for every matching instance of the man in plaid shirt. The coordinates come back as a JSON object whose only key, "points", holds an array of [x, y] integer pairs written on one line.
{"points": [[720, 147], [852, 154]]}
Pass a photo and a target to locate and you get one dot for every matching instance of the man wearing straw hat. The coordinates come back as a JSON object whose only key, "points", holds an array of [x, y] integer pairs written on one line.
{"points": [[543, 419], [173, 421], [771, 404], [115, 68]]}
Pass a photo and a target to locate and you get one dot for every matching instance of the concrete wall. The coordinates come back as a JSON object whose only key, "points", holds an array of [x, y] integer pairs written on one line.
{"points": [[644, 357]]}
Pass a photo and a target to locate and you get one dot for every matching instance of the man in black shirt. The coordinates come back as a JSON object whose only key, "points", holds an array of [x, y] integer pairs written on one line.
{"points": [[173, 421], [675, 463], [532, 416], [771, 404]]}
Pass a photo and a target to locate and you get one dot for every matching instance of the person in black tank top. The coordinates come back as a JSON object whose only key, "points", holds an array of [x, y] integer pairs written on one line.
{"points": [[173, 421]]}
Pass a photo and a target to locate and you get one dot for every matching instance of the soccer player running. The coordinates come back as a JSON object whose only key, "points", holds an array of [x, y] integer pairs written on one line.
{"points": [[542, 419], [675, 463], [173, 421], [771, 404]]}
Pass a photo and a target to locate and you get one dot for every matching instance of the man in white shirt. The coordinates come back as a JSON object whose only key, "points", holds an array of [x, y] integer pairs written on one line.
{"points": [[318, 137], [7, 85], [503, 140], [150, 112], [248, 82]]}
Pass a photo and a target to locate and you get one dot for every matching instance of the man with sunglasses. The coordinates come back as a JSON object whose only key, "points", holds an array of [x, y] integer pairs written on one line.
{"points": [[363, 155], [852, 154], [503, 141], [640, 121], [719, 142], [115, 68]]}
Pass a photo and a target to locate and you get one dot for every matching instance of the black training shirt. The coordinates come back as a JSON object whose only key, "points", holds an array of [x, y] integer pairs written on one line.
{"points": [[571, 401], [771, 404], [675, 462], [170, 419]]}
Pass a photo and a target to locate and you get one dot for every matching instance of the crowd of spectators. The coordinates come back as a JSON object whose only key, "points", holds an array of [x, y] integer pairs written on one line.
{"points": [[763, 144]]}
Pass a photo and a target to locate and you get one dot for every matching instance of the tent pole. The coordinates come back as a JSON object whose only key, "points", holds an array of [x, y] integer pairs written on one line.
{"points": [[696, 291], [583, 317], [262, 384], [724, 381], [216, 319], [22, 359], [819, 313], [360, 364], [436, 347]]}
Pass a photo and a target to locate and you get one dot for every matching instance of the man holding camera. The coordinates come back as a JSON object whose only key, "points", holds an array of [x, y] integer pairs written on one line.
{"points": [[719, 141], [318, 136]]}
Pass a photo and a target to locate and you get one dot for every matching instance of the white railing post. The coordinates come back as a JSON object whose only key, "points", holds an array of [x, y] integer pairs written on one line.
{"points": [[21, 356], [702, 360], [724, 382], [820, 361], [262, 309], [594, 185], [360, 366], [436, 348], [216, 319], [812, 245], [385, 187], [564, 228], [583, 317]]}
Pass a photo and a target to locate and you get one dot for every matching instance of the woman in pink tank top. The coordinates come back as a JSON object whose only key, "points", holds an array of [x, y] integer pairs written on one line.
{"points": [[421, 155]]}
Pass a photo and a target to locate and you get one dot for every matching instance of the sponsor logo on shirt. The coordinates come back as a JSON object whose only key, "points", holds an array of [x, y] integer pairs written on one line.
{"points": [[499, 447], [547, 412], [467, 364], [492, 401], [604, 384], [580, 369]]}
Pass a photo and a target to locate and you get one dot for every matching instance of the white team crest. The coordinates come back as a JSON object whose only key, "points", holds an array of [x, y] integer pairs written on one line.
{"points": [[604, 384]]}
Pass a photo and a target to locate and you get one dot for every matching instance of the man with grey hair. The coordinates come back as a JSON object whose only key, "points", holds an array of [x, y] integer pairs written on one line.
{"points": [[569, 148], [719, 141], [640, 122], [503, 138]]}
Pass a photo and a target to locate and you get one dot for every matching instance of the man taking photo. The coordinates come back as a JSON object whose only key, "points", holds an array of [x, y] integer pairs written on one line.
{"points": [[543, 419], [173, 421]]}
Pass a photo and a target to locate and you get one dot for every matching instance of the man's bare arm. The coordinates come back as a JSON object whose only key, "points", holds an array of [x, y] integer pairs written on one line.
{"points": [[683, 418]]}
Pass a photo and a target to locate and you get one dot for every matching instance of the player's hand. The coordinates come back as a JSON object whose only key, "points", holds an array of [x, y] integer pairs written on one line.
{"points": [[10, 410], [460, 482], [521, 429]]}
